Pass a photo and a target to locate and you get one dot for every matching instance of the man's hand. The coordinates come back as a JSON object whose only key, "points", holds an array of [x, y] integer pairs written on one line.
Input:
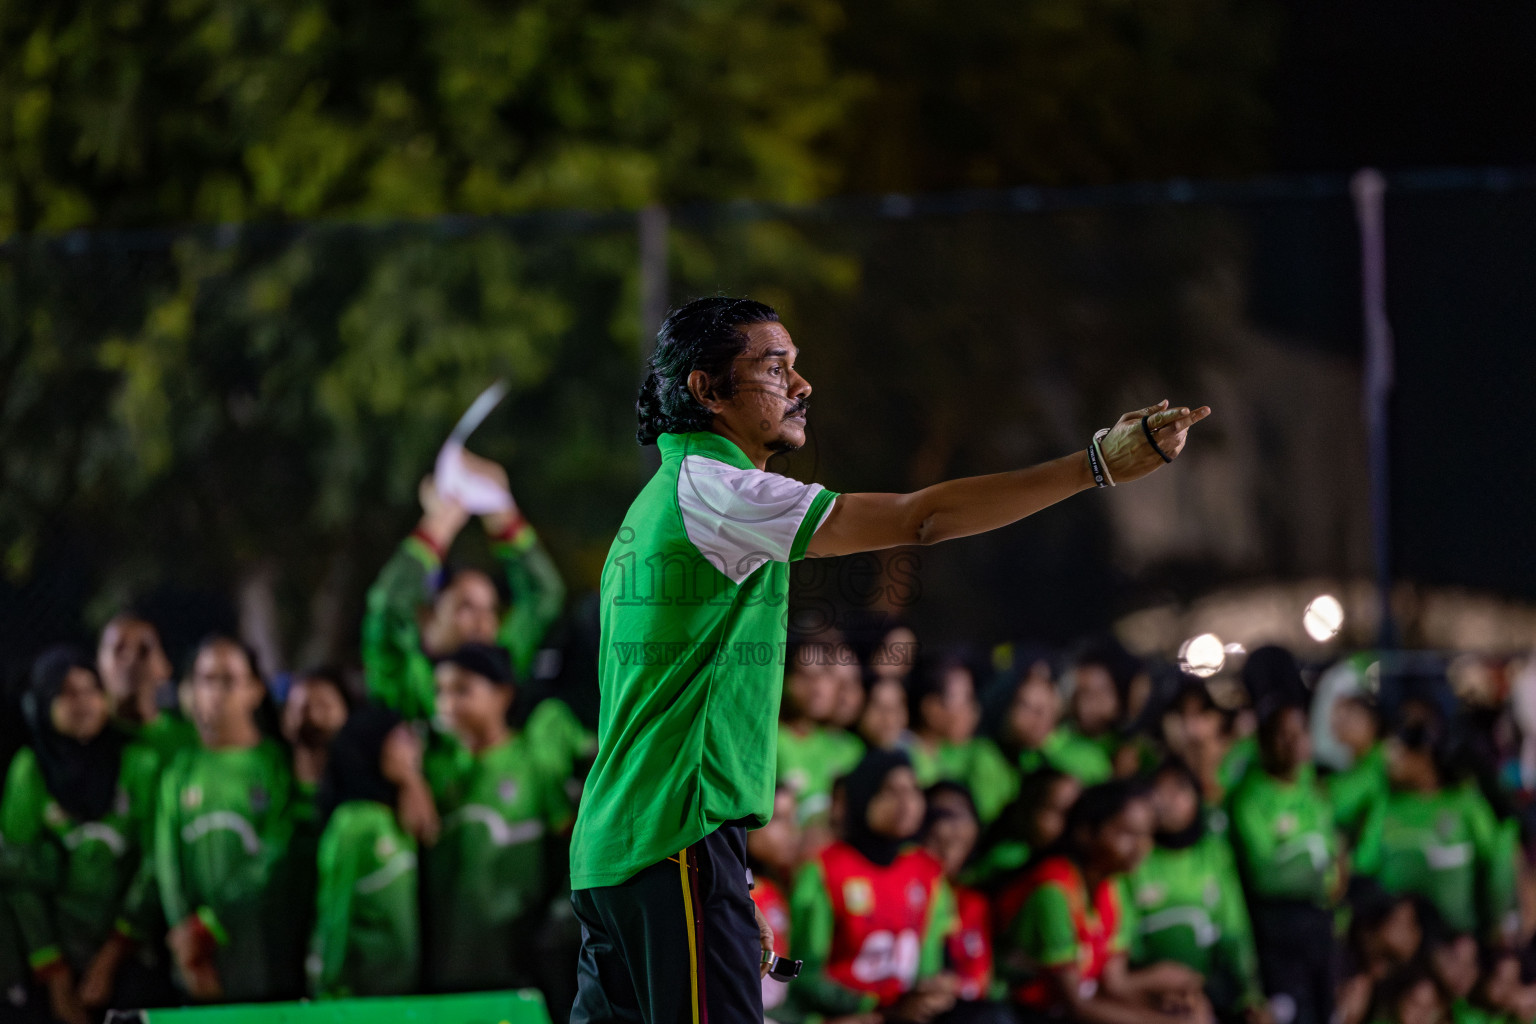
{"points": [[764, 936], [441, 517], [1127, 453]]}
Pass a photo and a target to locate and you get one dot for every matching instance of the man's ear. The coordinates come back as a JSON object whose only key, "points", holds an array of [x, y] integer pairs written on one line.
{"points": [[703, 390]]}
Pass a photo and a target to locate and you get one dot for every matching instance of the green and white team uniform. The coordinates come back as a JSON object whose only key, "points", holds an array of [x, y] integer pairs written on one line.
{"points": [[489, 879], [222, 826], [1186, 905], [398, 671], [1357, 792], [1449, 848], [67, 881], [367, 939], [1284, 838], [975, 763], [808, 765], [695, 605]]}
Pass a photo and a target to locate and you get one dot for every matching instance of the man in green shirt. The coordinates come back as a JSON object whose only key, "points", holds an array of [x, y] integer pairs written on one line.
{"points": [[693, 618], [413, 612]]}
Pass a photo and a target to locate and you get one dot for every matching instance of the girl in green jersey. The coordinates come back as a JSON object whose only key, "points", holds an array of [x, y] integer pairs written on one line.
{"points": [[1436, 836], [1186, 901], [367, 938], [72, 822]]}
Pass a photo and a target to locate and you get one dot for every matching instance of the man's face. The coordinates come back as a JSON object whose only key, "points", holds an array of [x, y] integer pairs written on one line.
{"points": [[130, 656], [467, 611], [314, 713], [768, 410], [225, 692]]}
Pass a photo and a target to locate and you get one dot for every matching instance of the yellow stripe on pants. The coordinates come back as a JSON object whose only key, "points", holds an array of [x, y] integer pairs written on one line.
{"points": [[693, 948]]}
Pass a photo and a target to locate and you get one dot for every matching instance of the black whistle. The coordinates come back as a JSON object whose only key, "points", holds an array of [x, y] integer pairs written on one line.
{"points": [[781, 969]]}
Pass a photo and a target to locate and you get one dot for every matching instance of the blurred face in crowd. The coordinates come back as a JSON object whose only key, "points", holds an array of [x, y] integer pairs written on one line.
{"points": [[466, 611], [777, 844], [1119, 844], [897, 810], [472, 707], [1411, 768], [400, 759], [225, 690], [129, 657], [1192, 723], [314, 712], [1035, 709], [1420, 1005], [1095, 701], [1399, 934], [1501, 986], [1454, 965], [849, 704], [1050, 818], [1289, 745], [80, 710], [885, 714], [1174, 801], [952, 713], [896, 654], [811, 686], [1353, 725], [954, 831]]}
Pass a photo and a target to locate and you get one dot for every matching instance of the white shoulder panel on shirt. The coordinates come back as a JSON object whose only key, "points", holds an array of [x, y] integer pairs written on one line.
{"points": [[741, 518]]}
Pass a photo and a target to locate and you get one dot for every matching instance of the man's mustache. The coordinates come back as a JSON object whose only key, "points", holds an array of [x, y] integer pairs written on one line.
{"points": [[798, 409]]}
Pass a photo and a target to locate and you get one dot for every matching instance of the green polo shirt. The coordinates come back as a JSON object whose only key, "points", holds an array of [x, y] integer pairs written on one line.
{"points": [[695, 596]]}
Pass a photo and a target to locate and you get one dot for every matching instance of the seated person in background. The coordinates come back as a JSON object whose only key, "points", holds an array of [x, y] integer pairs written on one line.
{"points": [[1096, 706], [950, 833], [505, 826], [417, 610], [1384, 936], [222, 826], [773, 852], [137, 675], [367, 937], [1358, 790], [883, 723], [944, 713], [1287, 854], [1500, 995], [1436, 836], [848, 708], [73, 822], [1452, 957], [870, 912], [1062, 933], [1186, 901], [1029, 824], [1029, 732], [1197, 732], [811, 753]]}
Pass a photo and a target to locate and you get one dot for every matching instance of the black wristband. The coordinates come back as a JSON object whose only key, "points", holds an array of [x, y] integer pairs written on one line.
{"points": [[1093, 464], [1146, 428]]}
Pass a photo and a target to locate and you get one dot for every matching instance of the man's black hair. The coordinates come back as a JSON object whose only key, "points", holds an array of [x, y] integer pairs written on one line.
{"points": [[705, 334]]}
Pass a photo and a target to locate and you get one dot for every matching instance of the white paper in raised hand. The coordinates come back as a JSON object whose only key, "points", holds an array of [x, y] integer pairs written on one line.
{"points": [[454, 479]]}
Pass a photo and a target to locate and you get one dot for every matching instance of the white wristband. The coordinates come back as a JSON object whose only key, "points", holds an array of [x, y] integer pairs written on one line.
{"points": [[1103, 462]]}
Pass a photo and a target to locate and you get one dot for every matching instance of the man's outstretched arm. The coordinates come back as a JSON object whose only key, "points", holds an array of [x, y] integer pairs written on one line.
{"points": [[976, 504]]}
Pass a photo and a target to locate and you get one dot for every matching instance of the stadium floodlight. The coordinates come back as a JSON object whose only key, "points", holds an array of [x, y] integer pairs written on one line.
{"points": [[1202, 655], [1323, 618]]}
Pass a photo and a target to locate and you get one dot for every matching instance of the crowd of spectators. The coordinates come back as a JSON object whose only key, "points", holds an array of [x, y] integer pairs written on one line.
{"points": [[1007, 835]]}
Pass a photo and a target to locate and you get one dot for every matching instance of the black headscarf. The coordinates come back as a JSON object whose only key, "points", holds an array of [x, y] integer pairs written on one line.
{"points": [[352, 769], [859, 789], [82, 777]]}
